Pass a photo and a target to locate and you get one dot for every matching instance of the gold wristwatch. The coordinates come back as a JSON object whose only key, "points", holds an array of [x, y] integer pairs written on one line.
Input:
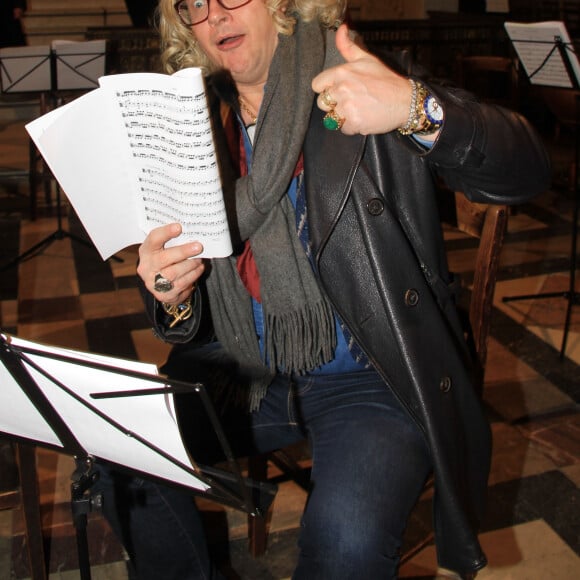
{"points": [[432, 112], [425, 112]]}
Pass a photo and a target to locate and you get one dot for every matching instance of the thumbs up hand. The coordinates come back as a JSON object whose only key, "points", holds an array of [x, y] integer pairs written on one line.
{"points": [[368, 96]]}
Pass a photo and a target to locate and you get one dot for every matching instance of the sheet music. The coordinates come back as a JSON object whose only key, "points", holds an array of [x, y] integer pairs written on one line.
{"points": [[150, 417], [535, 45], [137, 153]]}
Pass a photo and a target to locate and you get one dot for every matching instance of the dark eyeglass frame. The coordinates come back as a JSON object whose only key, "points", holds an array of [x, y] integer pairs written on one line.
{"points": [[220, 2]]}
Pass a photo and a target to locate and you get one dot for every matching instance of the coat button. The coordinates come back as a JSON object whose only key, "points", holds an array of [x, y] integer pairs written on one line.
{"points": [[376, 206], [445, 384], [411, 297]]}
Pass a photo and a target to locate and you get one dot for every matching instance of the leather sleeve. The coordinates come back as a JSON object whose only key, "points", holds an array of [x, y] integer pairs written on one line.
{"points": [[196, 329], [490, 153]]}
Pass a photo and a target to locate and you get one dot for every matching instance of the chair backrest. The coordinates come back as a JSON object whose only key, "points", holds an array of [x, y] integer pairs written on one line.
{"points": [[562, 102], [492, 78], [488, 223]]}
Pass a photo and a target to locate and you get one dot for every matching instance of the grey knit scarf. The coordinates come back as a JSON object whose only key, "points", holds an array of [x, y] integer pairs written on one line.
{"points": [[299, 332]]}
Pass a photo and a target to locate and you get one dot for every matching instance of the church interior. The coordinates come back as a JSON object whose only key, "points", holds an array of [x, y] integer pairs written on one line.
{"points": [[55, 289]]}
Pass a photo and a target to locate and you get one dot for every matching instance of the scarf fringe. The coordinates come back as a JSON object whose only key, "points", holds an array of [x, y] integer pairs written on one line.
{"points": [[300, 341]]}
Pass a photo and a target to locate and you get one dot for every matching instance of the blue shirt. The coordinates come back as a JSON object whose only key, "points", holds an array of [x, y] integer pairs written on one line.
{"points": [[343, 361]]}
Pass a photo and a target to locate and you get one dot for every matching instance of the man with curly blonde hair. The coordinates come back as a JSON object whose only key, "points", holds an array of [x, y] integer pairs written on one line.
{"points": [[335, 315]]}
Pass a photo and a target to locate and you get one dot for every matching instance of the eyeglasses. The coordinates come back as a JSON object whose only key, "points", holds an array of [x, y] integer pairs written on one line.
{"points": [[192, 12]]}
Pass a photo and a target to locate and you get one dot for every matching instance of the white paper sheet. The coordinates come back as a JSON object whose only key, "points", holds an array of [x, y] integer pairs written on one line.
{"points": [[150, 417], [135, 154]]}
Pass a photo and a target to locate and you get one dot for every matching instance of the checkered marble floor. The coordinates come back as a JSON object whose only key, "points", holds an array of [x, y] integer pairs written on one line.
{"points": [[65, 295]]}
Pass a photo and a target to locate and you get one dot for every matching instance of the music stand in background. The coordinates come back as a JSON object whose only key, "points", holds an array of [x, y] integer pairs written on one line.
{"points": [[57, 401], [52, 70], [549, 59], [26, 71], [79, 64]]}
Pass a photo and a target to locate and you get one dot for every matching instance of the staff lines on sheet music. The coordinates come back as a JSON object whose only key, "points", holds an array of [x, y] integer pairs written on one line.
{"points": [[161, 99], [168, 152], [174, 121], [159, 144], [153, 157], [164, 204], [184, 199], [144, 105], [189, 223], [150, 128], [177, 130], [550, 64], [165, 119], [159, 93], [152, 137], [163, 181]]}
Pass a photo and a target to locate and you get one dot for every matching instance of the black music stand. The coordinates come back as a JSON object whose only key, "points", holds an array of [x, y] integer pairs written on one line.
{"points": [[64, 66], [26, 71], [55, 416], [562, 51]]}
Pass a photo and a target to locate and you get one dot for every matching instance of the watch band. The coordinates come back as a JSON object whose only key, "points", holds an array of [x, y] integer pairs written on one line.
{"points": [[419, 121]]}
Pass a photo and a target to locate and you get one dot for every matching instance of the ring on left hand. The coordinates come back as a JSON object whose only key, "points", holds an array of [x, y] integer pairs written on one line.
{"points": [[332, 121], [162, 284]]}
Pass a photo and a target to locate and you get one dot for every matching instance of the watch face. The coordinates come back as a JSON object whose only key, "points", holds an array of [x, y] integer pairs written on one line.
{"points": [[433, 109]]}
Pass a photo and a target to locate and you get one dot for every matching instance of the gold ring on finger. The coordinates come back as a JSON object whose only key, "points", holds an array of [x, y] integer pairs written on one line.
{"points": [[332, 121], [327, 100]]}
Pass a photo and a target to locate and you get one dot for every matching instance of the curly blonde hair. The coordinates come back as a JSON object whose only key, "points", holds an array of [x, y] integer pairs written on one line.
{"points": [[179, 46]]}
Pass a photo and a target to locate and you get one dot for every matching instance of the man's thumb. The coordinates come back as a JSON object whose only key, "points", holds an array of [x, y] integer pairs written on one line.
{"points": [[346, 46]]}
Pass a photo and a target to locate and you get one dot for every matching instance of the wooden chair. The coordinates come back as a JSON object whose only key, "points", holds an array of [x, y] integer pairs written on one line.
{"points": [[492, 78], [564, 104], [488, 224], [27, 498]]}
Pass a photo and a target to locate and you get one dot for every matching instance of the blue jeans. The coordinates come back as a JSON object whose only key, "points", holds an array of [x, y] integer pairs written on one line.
{"points": [[370, 462], [159, 526]]}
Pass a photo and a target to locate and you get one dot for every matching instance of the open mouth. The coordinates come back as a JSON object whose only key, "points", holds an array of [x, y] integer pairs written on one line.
{"points": [[229, 40]]}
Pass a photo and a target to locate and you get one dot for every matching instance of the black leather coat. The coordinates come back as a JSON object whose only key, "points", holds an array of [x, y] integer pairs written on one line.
{"points": [[379, 254]]}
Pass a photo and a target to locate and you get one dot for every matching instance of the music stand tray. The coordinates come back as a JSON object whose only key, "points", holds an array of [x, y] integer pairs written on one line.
{"points": [[25, 69], [76, 403], [62, 66]]}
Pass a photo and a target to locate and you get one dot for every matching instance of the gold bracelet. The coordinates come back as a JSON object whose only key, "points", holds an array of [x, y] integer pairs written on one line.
{"points": [[412, 121], [180, 312]]}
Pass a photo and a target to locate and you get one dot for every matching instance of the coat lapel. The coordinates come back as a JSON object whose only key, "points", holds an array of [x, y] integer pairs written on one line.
{"points": [[324, 149]]}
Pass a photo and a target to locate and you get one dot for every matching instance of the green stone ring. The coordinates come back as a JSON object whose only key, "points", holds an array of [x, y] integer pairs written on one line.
{"points": [[332, 121]]}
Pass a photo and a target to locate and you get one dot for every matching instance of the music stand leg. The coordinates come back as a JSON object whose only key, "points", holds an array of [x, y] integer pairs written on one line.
{"points": [[59, 234], [571, 295], [82, 502]]}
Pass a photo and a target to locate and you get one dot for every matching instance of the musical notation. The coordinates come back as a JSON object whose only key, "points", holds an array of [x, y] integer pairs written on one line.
{"points": [[135, 154]]}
